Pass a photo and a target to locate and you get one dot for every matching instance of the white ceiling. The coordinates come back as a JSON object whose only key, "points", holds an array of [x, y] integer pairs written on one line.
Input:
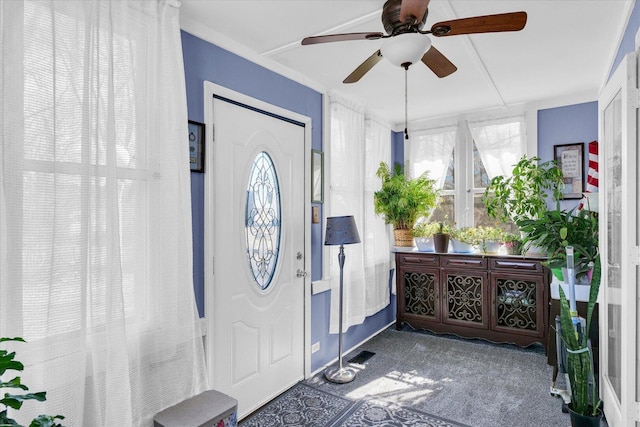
{"points": [[564, 51]]}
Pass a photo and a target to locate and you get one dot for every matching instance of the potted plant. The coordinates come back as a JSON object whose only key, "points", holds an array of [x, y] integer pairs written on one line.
{"points": [[14, 401], [441, 238], [554, 230], [523, 195], [512, 243], [402, 200], [423, 235], [464, 239], [490, 239], [584, 409]]}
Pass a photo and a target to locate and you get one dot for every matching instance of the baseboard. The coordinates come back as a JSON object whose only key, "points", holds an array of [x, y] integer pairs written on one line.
{"points": [[334, 360]]}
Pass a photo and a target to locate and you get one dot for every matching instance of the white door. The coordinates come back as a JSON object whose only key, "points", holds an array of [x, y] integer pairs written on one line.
{"points": [[618, 176], [257, 316]]}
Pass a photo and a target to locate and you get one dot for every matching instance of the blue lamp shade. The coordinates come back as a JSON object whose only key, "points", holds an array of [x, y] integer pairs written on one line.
{"points": [[341, 230]]}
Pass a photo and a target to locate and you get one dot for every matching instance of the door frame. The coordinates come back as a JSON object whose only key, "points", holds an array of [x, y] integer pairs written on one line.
{"points": [[623, 81], [209, 188]]}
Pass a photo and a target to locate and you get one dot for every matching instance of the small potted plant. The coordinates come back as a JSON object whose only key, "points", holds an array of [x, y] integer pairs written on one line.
{"points": [[441, 238], [464, 239], [490, 239], [423, 235], [402, 200], [512, 243]]}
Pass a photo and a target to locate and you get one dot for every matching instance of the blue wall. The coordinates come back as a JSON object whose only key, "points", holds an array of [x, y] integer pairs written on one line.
{"points": [[567, 125], [207, 62]]}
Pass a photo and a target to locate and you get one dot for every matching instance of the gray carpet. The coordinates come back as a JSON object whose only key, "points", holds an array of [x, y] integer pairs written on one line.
{"points": [[468, 381]]}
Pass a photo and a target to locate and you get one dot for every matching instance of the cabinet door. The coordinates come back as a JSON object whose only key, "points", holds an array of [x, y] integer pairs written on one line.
{"points": [[465, 298], [420, 293], [517, 303]]}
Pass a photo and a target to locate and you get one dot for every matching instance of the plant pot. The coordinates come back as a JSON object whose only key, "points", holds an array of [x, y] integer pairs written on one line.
{"points": [[403, 237], [425, 244], [460, 247], [579, 420], [491, 247], [441, 243], [514, 249]]}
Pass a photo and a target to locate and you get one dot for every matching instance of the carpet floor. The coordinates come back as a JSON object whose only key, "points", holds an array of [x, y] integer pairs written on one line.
{"points": [[421, 379]]}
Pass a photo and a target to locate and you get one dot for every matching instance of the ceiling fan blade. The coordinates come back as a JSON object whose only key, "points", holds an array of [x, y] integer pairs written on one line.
{"points": [[438, 63], [415, 8], [340, 37], [364, 68], [514, 21]]}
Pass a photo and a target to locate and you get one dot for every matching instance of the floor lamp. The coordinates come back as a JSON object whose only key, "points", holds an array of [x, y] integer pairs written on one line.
{"points": [[341, 230]]}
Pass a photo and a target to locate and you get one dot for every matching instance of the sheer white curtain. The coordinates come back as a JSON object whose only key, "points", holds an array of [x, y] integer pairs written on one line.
{"points": [[431, 150], [354, 155], [95, 224], [501, 143]]}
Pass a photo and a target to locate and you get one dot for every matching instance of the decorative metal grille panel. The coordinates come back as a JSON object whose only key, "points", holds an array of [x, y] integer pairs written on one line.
{"points": [[464, 298], [419, 293], [516, 304], [263, 220]]}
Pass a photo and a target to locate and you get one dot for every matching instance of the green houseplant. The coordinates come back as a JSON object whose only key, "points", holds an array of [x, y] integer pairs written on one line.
{"points": [[441, 238], [585, 403], [402, 200], [523, 195], [14, 401], [554, 230]]}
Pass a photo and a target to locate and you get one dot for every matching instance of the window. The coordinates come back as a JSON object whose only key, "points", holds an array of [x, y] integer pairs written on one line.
{"points": [[478, 150]]}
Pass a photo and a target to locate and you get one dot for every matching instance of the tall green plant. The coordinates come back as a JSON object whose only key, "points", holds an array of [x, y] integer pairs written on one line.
{"points": [[402, 200], [584, 393], [15, 401], [523, 195]]}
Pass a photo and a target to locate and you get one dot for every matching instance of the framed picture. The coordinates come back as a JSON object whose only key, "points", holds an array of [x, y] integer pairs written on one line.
{"points": [[196, 146], [317, 176], [570, 158]]}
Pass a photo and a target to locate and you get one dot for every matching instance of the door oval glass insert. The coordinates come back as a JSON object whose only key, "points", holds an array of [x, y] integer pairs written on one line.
{"points": [[262, 220]]}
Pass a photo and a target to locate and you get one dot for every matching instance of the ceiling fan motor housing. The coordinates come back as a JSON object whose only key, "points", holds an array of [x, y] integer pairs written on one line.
{"points": [[392, 23]]}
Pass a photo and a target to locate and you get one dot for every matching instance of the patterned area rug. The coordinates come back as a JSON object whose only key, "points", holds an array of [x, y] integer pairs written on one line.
{"points": [[370, 414], [306, 406], [300, 406]]}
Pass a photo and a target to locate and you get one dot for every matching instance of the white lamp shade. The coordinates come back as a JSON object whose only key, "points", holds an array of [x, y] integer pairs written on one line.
{"points": [[405, 48]]}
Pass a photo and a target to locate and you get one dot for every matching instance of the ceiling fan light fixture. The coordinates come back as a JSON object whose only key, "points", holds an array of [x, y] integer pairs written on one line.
{"points": [[405, 49]]}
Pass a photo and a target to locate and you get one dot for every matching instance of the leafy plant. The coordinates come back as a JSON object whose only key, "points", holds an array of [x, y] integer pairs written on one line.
{"points": [[15, 401], [513, 243], [467, 235], [402, 200], [523, 195], [584, 393], [426, 229], [554, 230]]}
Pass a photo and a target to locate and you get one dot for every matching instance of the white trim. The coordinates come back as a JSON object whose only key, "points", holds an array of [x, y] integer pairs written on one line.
{"points": [[209, 90], [320, 286], [350, 349], [207, 34]]}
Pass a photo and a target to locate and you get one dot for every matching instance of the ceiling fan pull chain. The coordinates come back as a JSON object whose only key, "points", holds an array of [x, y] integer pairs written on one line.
{"points": [[406, 104]]}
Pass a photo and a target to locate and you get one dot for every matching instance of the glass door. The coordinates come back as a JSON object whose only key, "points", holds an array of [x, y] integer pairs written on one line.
{"points": [[618, 228]]}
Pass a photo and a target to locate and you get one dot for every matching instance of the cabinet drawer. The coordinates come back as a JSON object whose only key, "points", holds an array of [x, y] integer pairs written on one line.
{"points": [[466, 262], [422, 259], [516, 265]]}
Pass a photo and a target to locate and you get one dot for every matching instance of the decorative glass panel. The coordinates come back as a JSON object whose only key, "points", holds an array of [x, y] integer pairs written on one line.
{"points": [[263, 220]]}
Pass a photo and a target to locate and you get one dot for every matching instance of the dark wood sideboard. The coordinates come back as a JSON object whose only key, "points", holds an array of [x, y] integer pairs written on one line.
{"points": [[497, 298]]}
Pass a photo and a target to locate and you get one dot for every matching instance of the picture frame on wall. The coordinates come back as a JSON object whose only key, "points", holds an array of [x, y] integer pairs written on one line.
{"points": [[317, 176], [196, 146], [570, 158]]}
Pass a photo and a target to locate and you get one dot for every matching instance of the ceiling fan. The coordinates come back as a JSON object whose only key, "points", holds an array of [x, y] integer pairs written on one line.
{"points": [[407, 43]]}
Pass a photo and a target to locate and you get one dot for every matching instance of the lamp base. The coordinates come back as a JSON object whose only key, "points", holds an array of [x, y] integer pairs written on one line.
{"points": [[339, 375]]}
